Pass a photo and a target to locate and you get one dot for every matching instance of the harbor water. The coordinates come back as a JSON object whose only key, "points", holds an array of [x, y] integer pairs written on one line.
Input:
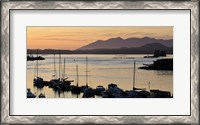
{"points": [[102, 70]]}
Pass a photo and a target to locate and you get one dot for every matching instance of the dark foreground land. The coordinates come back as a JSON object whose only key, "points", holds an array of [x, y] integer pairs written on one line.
{"points": [[160, 64]]}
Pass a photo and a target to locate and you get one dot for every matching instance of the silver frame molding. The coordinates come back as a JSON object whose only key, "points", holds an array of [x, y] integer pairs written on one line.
{"points": [[6, 6]]}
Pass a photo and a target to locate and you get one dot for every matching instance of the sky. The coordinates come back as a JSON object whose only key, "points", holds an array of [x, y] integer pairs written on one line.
{"points": [[71, 38]]}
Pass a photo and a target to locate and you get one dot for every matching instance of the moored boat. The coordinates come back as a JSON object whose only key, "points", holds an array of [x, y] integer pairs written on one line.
{"points": [[75, 89], [160, 94], [99, 89], [38, 81], [88, 93], [30, 94], [42, 95]]}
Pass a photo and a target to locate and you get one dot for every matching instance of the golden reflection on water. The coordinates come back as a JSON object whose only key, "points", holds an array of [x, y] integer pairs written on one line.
{"points": [[103, 69]]}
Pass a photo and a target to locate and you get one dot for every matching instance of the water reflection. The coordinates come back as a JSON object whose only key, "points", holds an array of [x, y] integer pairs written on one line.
{"points": [[163, 72], [103, 69]]}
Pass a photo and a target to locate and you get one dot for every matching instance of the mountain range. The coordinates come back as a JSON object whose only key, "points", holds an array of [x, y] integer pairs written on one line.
{"points": [[116, 43], [145, 49]]}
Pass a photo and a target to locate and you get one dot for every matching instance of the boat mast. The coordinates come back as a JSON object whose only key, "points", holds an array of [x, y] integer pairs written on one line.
{"points": [[59, 64], [134, 76], [149, 85], [37, 63], [77, 74], [86, 71], [54, 65], [35, 70], [64, 69]]}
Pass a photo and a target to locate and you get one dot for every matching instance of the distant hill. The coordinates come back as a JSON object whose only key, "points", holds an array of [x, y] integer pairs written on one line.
{"points": [[154, 46], [146, 49], [116, 43]]}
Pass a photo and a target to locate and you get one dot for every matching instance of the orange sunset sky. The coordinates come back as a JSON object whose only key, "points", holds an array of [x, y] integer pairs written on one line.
{"points": [[71, 38]]}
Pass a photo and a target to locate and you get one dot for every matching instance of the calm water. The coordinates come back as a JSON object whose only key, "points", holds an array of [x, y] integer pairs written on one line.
{"points": [[103, 69]]}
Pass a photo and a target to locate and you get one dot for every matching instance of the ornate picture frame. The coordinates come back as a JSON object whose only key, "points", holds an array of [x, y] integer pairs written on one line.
{"points": [[7, 6]]}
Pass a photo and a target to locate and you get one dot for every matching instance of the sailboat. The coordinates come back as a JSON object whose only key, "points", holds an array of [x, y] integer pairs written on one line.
{"points": [[137, 92], [65, 79], [88, 92], [38, 81], [76, 89], [85, 87], [54, 80], [57, 83], [65, 86], [41, 95], [133, 92]]}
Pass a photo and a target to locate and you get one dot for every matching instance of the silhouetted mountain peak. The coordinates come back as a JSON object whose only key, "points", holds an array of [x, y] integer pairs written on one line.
{"points": [[117, 38], [98, 41], [154, 46], [146, 37]]}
